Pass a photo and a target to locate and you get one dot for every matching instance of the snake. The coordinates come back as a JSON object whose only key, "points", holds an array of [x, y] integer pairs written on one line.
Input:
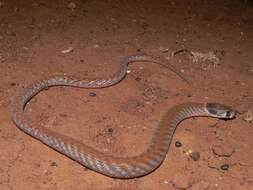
{"points": [[104, 163]]}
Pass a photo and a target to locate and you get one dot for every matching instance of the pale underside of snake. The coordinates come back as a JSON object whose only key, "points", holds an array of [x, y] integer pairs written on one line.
{"points": [[117, 167]]}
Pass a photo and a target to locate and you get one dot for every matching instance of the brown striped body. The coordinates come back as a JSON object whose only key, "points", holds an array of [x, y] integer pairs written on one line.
{"points": [[118, 167]]}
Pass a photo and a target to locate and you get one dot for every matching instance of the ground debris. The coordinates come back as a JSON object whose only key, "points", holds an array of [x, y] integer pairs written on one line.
{"points": [[205, 57], [248, 116], [223, 150], [68, 50], [211, 58], [71, 6]]}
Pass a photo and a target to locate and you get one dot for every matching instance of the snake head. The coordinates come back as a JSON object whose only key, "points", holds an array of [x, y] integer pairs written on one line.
{"points": [[220, 111]]}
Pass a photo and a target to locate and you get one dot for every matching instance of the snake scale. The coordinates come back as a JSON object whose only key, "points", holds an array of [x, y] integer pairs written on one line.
{"points": [[117, 167]]}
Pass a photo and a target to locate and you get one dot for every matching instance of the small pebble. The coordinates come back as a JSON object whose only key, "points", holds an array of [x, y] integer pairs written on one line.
{"points": [[92, 94], [54, 164], [137, 79], [213, 125], [68, 50], [223, 151], [13, 84], [96, 46], [165, 51], [224, 167], [248, 116], [110, 130], [178, 144], [71, 6], [195, 156], [189, 95]]}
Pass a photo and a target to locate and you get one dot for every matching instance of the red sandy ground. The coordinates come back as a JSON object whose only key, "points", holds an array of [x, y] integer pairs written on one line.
{"points": [[121, 119]]}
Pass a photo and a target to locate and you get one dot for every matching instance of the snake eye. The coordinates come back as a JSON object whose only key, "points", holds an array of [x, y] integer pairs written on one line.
{"points": [[228, 114]]}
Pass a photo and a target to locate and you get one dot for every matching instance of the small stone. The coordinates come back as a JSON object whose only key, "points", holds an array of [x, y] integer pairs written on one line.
{"points": [[54, 164], [96, 46], [189, 95], [72, 6], [68, 50], [92, 94], [25, 48], [178, 144], [213, 125], [224, 167], [137, 79], [223, 150], [195, 156], [63, 115], [13, 84], [248, 116], [165, 50], [110, 130]]}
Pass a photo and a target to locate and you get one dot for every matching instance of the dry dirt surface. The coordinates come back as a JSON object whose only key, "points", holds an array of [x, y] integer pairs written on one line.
{"points": [[209, 42]]}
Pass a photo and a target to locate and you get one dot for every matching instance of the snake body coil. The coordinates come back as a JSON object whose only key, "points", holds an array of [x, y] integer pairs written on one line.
{"points": [[118, 167]]}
